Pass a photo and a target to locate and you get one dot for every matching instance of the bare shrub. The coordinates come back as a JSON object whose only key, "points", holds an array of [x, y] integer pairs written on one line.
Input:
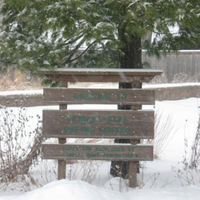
{"points": [[19, 144], [176, 78], [159, 79], [188, 171], [164, 131], [183, 78], [84, 170], [195, 155]]}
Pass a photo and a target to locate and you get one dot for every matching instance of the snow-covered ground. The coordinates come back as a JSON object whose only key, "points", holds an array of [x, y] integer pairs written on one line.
{"points": [[162, 179]]}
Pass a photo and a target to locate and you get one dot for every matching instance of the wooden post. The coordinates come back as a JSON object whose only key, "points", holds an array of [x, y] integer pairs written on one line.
{"points": [[133, 166], [133, 169], [62, 163]]}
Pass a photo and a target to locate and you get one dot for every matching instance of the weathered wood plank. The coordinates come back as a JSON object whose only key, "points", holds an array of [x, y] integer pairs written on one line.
{"points": [[62, 163], [133, 166], [97, 152], [98, 124], [99, 96], [100, 78], [100, 75], [100, 71]]}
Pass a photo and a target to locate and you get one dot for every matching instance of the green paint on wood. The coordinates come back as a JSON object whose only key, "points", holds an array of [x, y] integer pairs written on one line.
{"points": [[96, 119], [91, 129], [98, 96], [115, 130], [97, 152], [86, 96], [79, 129]]}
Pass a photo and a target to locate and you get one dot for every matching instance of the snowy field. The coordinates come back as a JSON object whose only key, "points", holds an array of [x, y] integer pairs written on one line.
{"points": [[162, 179]]}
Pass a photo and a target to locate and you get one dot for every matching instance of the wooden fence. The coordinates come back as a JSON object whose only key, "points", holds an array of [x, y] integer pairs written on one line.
{"points": [[181, 67]]}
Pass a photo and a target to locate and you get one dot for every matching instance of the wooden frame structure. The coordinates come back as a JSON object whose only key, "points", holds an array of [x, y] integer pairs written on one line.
{"points": [[131, 124]]}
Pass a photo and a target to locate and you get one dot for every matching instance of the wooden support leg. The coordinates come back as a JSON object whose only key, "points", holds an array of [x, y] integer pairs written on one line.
{"points": [[134, 166], [133, 169], [61, 169], [132, 175], [61, 163]]}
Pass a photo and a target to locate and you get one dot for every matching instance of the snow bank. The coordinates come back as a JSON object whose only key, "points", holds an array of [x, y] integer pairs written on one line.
{"points": [[79, 190]]}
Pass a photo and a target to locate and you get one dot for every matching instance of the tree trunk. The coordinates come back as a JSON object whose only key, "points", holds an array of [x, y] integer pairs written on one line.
{"points": [[132, 53], [131, 58]]}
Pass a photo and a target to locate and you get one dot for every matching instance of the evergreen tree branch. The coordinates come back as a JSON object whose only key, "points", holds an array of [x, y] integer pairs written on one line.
{"points": [[71, 41], [8, 62], [72, 60]]}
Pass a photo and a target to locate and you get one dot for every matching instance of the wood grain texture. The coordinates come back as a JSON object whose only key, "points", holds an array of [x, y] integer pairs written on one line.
{"points": [[100, 75], [99, 96], [98, 124], [62, 163], [125, 152]]}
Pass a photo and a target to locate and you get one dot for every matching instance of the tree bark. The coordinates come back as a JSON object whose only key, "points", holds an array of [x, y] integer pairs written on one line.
{"points": [[130, 58], [132, 53]]}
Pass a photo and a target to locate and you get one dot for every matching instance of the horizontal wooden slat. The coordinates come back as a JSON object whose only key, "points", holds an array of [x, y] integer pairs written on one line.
{"points": [[99, 96], [100, 75], [100, 78], [125, 152], [98, 124], [100, 71]]}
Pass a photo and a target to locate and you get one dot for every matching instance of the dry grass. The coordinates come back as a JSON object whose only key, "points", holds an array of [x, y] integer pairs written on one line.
{"points": [[164, 132], [16, 80], [177, 78]]}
